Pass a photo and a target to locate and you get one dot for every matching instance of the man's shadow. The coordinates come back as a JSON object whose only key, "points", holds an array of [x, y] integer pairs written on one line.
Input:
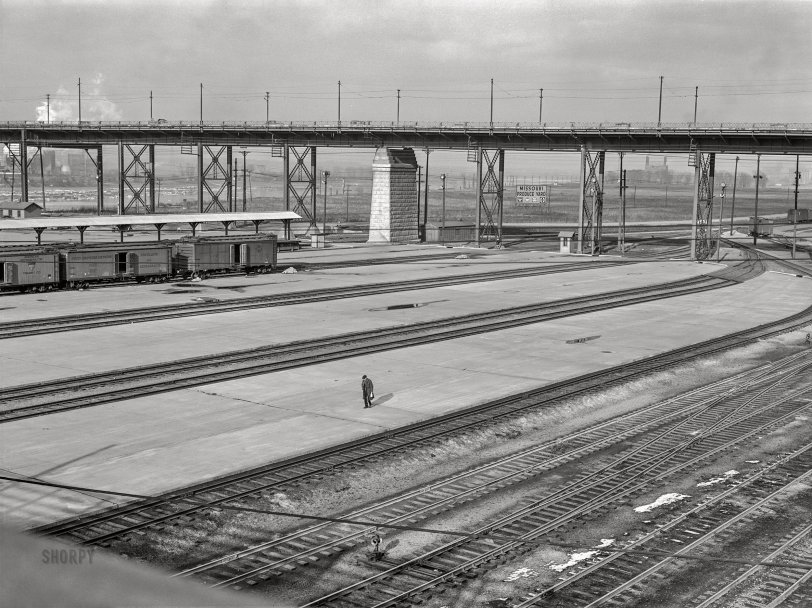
{"points": [[382, 399]]}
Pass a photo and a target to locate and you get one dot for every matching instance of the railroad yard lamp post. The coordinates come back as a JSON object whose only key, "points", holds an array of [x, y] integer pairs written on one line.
{"points": [[721, 206], [324, 176]]}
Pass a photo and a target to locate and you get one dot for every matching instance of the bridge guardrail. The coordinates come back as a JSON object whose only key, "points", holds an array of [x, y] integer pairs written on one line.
{"points": [[356, 125]]}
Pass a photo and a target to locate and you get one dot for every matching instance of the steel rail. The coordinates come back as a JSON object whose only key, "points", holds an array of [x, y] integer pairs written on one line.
{"points": [[424, 509], [295, 354], [785, 547], [624, 488], [326, 460], [679, 520], [15, 329]]}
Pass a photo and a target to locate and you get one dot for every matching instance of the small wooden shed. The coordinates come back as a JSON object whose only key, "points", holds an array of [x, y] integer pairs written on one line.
{"points": [[20, 209], [566, 238]]}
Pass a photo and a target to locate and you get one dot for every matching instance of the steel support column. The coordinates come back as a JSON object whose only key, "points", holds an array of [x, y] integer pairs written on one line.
{"points": [[590, 209], [137, 177], [300, 181], [704, 169], [213, 177], [97, 163], [23, 167], [490, 191]]}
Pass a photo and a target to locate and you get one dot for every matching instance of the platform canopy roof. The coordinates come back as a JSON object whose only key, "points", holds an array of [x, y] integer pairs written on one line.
{"points": [[154, 219]]}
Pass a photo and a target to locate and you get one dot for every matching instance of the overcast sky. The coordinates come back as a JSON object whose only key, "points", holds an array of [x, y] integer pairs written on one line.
{"points": [[596, 61]]}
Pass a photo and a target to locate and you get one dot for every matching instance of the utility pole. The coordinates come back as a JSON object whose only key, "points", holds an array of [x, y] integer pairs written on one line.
{"points": [[339, 103], [660, 111], [347, 200], [48, 105], [696, 101], [795, 213], [757, 177], [426, 197], [201, 103], [150, 105], [491, 103], [721, 205], [733, 204], [442, 230], [80, 100], [267, 106], [541, 101], [324, 176], [244, 189], [398, 114], [419, 184], [621, 224]]}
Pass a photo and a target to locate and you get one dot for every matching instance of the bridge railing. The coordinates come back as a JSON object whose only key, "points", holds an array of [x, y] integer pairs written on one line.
{"points": [[450, 125], [359, 125]]}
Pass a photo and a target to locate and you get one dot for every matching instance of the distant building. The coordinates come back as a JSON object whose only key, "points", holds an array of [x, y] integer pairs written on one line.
{"points": [[20, 209]]}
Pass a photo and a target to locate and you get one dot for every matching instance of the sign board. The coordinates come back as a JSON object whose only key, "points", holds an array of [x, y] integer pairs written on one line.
{"points": [[532, 194]]}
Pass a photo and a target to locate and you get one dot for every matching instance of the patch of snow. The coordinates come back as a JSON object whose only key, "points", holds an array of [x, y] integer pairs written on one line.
{"points": [[574, 559], [605, 542], [520, 573], [665, 499], [289, 270], [462, 256], [694, 433], [752, 461], [725, 476], [196, 280]]}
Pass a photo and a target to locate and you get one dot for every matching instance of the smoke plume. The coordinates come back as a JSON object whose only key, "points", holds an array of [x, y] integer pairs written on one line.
{"points": [[64, 107]]}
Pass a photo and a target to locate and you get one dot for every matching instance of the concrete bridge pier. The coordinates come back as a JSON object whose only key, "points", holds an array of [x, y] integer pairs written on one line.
{"points": [[394, 212]]}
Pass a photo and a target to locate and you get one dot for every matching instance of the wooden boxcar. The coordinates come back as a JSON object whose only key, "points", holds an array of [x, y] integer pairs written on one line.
{"points": [[29, 269], [205, 255], [115, 262], [760, 226]]}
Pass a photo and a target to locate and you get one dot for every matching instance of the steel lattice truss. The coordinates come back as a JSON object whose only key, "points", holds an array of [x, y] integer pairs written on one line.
{"points": [[704, 206], [591, 216], [136, 177], [491, 189], [301, 183], [216, 178]]}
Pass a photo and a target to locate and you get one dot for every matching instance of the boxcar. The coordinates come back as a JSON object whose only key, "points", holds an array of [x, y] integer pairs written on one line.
{"points": [[760, 226], [205, 255], [797, 215], [115, 262], [29, 269]]}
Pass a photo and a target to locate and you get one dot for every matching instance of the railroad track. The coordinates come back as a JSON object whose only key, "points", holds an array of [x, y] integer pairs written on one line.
{"points": [[632, 472], [616, 578], [324, 539], [104, 527], [16, 329], [28, 400], [770, 587]]}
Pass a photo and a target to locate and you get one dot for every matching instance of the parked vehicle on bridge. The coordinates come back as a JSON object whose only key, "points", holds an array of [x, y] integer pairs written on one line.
{"points": [[74, 266]]}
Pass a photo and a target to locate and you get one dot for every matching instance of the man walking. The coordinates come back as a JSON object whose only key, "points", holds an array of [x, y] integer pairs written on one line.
{"points": [[366, 389]]}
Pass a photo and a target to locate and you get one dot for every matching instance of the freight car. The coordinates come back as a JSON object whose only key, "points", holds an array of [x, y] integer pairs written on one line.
{"points": [[760, 226], [29, 269], [100, 263], [205, 256], [69, 265], [798, 215]]}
